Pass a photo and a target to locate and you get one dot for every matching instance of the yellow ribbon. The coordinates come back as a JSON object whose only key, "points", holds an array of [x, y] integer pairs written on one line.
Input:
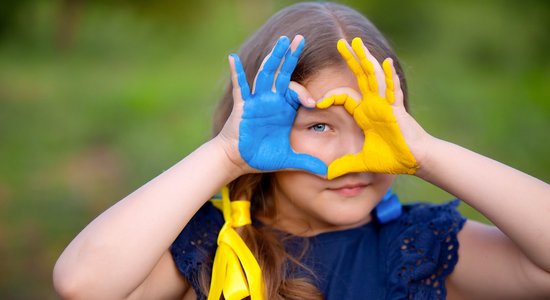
{"points": [[232, 256]]}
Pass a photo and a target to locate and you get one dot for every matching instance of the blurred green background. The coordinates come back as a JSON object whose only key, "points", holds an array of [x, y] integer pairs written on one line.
{"points": [[98, 97]]}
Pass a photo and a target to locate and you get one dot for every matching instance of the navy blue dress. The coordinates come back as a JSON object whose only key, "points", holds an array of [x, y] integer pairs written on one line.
{"points": [[408, 258]]}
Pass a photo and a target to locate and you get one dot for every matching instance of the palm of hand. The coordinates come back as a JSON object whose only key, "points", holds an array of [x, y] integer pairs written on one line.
{"points": [[264, 131], [384, 149]]}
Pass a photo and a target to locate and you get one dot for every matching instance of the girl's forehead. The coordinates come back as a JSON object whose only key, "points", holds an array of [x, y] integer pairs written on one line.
{"points": [[330, 78]]}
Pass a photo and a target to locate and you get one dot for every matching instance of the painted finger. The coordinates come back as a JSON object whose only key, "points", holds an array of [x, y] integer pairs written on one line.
{"points": [[266, 74], [238, 77], [345, 96], [289, 64], [292, 98], [370, 65], [304, 97], [353, 64], [326, 102], [349, 103], [388, 74], [393, 89], [350, 163], [306, 162]]}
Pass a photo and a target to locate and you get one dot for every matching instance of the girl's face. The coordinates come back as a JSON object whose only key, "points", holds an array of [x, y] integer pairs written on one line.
{"points": [[308, 204]]}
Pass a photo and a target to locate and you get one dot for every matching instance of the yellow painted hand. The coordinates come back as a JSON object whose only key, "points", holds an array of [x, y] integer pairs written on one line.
{"points": [[384, 149]]}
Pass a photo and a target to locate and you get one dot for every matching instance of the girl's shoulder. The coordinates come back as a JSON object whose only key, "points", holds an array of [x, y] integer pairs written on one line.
{"points": [[435, 219], [422, 249]]}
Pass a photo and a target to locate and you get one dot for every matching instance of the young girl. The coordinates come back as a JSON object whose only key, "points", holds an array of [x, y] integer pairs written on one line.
{"points": [[317, 232]]}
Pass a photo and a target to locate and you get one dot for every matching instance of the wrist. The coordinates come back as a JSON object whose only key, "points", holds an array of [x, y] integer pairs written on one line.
{"points": [[231, 161], [428, 159]]}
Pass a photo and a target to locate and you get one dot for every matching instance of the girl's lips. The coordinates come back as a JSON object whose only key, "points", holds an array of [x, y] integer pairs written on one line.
{"points": [[349, 191]]}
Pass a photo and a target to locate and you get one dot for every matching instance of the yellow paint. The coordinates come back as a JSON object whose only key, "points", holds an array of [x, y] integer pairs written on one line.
{"points": [[384, 149]]}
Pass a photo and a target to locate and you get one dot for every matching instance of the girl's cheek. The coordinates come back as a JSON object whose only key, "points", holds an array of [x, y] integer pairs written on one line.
{"points": [[318, 145]]}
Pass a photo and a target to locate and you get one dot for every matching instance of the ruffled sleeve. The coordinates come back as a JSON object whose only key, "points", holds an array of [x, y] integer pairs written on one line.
{"points": [[196, 244], [422, 250]]}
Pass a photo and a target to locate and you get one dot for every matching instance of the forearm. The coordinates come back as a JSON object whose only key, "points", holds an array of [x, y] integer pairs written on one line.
{"points": [[117, 251], [518, 204]]}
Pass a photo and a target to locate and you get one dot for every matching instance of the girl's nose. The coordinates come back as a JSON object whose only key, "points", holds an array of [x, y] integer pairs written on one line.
{"points": [[352, 142]]}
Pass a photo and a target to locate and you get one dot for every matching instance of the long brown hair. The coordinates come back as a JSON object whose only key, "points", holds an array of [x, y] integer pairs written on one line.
{"points": [[322, 25]]}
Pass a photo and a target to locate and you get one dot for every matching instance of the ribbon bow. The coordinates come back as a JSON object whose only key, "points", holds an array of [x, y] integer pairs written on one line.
{"points": [[233, 256]]}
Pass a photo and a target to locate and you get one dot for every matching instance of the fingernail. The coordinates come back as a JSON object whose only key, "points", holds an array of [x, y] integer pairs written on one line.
{"points": [[310, 101]]}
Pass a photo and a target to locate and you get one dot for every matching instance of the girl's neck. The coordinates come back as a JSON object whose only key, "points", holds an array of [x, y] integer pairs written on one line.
{"points": [[303, 228]]}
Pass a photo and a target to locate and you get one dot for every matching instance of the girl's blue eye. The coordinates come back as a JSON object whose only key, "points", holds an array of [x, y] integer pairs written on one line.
{"points": [[319, 127]]}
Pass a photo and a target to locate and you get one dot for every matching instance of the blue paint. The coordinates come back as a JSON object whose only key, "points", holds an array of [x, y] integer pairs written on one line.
{"points": [[264, 130]]}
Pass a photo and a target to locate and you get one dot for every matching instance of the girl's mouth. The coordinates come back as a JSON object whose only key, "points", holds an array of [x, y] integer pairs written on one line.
{"points": [[349, 190]]}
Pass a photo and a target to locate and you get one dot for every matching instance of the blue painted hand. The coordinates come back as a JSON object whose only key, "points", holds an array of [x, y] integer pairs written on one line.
{"points": [[268, 113]]}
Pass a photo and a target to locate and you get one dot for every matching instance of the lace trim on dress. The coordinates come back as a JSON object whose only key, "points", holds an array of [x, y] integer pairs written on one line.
{"points": [[425, 252]]}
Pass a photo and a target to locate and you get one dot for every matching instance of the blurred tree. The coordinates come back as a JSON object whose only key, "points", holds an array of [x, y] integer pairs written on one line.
{"points": [[9, 11], [67, 21]]}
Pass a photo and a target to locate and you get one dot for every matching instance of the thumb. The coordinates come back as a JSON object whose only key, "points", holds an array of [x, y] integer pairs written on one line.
{"points": [[305, 162], [349, 163], [303, 95]]}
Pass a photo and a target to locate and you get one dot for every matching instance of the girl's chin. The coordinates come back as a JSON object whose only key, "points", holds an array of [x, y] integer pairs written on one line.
{"points": [[348, 220]]}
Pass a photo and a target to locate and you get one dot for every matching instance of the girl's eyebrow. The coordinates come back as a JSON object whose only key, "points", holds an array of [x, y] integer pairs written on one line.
{"points": [[313, 113], [309, 115]]}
